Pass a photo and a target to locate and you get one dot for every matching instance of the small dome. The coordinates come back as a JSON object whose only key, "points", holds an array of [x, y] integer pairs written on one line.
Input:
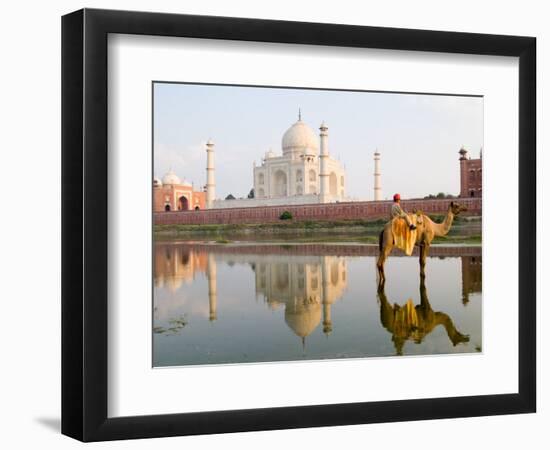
{"points": [[269, 154], [157, 182], [170, 178], [300, 138]]}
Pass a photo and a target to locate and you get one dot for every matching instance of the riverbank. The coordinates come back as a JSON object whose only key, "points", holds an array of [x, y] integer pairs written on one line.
{"points": [[464, 231], [373, 240]]}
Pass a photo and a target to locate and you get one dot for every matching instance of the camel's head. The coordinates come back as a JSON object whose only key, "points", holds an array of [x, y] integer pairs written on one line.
{"points": [[457, 208]]}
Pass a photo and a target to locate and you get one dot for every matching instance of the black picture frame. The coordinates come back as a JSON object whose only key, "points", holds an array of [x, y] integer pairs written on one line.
{"points": [[84, 224]]}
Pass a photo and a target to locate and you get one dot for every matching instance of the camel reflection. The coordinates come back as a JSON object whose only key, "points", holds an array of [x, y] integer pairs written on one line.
{"points": [[410, 322]]}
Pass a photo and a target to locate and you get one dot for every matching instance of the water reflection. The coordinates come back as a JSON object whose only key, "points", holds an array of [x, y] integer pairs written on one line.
{"points": [[248, 293], [306, 290], [410, 322], [175, 265], [471, 276]]}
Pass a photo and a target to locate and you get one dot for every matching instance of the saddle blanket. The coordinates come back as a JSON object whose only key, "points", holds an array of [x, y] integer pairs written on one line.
{"points": [[404, 237]]}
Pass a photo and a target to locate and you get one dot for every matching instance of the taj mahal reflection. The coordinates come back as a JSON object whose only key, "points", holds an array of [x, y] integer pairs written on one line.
{"points": [[301, 289], [306, 289]]}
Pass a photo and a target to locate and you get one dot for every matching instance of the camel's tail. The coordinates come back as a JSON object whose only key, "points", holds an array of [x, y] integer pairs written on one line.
{"points": [[381, 241]]}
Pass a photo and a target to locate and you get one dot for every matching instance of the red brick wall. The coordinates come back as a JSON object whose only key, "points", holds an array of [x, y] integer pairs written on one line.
{"points": [[329, 211]]}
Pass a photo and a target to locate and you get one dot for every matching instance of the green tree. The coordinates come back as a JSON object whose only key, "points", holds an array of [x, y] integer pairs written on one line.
{"points": [[286, 215]]}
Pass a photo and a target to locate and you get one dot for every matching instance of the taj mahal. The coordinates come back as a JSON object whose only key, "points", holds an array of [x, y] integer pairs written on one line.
{"points": [[303, 173]]}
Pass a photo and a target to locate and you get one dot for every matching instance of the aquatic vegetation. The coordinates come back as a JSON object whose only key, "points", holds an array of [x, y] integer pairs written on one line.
{"points": [[175, 326]]}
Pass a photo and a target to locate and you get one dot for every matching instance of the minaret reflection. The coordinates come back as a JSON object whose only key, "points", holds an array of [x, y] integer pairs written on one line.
{"points": [[410, 322], [306, 287], [327, 320], [211, 274]]}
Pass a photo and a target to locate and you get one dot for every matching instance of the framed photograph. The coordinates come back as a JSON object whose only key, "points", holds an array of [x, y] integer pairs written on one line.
{"points": [[273, 224]]}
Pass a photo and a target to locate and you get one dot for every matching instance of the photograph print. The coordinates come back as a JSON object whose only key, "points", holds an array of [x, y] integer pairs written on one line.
{"points": [[296, 224]]}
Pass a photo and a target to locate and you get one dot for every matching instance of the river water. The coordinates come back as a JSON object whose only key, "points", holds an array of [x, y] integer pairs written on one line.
{"points": [[258, 302]]}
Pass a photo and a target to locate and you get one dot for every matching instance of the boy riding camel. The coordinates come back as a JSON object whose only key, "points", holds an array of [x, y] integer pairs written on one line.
{"points": [[397, 211]]}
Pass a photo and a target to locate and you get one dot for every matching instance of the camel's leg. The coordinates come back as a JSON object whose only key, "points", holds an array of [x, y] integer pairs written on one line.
{"points": [[380, 262], [424, 248], [386, 246]]}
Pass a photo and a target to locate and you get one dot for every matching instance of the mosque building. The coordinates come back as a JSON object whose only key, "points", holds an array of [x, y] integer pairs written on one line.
{"points": [[173, 194]]}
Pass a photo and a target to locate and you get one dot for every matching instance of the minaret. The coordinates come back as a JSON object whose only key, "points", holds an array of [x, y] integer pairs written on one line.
{"points": [[323, 165], [212, 288], [377, 177], [210, 181]]}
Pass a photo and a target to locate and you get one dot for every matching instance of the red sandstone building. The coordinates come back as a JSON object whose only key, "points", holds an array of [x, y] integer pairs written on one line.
{"points": [[470, 175], [173, 194]]}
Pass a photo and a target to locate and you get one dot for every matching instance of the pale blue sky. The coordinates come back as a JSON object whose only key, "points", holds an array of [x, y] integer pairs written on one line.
{"points": [[418, 136]]}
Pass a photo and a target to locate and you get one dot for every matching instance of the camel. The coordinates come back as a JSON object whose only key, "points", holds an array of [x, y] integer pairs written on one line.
{"points": [[410, 322], [426, 230]]}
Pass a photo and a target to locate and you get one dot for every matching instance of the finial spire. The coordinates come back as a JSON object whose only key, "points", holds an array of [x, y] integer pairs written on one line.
{"points": [[299, 113]]}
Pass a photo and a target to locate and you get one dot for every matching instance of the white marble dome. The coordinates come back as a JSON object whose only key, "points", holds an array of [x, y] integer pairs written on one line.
{"points": [[157, 182], [299, 138], [170, 178]]}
